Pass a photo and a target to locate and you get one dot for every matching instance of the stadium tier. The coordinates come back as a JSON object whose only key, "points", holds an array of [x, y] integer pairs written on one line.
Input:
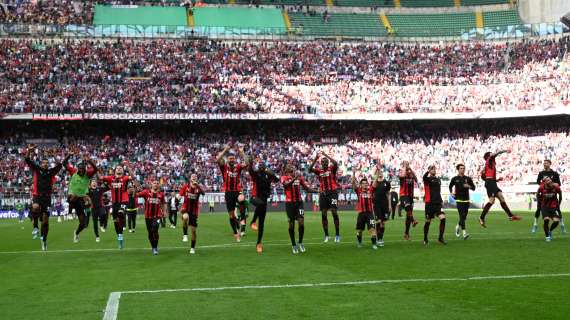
{"points": [[168, 18], [372, 3], [168, 76], [157, 150], [338, 24], [410, 25]]}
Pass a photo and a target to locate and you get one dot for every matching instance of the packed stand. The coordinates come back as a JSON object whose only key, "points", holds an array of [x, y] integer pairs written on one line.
{"points": [[205, 76], [160, 151], [65, 12]]}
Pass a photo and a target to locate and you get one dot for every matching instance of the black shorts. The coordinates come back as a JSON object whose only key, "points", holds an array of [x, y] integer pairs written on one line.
{"points": [[406, 202], [98, 212], [193, 220], [257, 201], [119, 209], [328, 200], [78, 204], [549, 213], [295, 210], [231, 198], [433, 210], [492, 188], [44, 201], [381, 212], [365, 219]]}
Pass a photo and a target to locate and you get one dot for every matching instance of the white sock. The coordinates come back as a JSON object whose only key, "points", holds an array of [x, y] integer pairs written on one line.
{"points": [[464, 232]]}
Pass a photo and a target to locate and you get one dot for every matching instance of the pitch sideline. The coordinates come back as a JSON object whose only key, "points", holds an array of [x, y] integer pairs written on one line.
{"points": [[112, 307]]}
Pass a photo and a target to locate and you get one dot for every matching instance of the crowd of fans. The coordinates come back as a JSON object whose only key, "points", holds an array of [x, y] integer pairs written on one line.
{"points": [[169, 151], [206, 76], [66, 12]]}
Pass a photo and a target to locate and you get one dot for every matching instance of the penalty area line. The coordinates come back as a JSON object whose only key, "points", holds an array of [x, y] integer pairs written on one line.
{"points": [[112, 308]]}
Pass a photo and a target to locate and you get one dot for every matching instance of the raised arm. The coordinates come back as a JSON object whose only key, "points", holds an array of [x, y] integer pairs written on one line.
{"points": [[312, 166], [28, 158], [220, 156], [333, 161], [53, 171], [353, 180], [92, 164], [272, 174], [500, 153], [403, 168], [425, 178], [246, 159]]}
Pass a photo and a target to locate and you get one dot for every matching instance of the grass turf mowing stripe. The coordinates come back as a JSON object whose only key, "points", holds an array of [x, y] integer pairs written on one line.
{"points": [[112, 307], [250, 244]]}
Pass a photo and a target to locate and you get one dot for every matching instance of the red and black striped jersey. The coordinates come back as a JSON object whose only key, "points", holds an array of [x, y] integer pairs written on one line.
{"points": [[432, 189], [407, 186], [118, 186], [293, 188], [43, 179], [327, 178], [231, 177], [261, 182], [490, 172], [153, 203], [191, 195], [365, 199], [549, 196]]}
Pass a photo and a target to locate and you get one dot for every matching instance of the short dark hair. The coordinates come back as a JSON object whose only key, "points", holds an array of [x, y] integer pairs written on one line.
{"points": [[487, 155], [459, 166], [548, 160], [363, 179]]}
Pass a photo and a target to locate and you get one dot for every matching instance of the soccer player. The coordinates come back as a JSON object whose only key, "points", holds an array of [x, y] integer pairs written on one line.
{"points": [[555, 177], [20, 210], [190, 193], [549, 192], [132, 208], [407, 181], [173, 207], [365, 208], [489, 174], [382, 204], [243, 205], [459, 187], [77, 192], [154, 208], [118, 183], [231, 175], [42, 188], [262, 177], [434, 203], [98, 211], [292, 183], [328, 196], [394, 203]]}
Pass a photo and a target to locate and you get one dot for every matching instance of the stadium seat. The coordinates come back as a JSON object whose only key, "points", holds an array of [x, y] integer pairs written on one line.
{"points": [[339, 24], [412, 25]]}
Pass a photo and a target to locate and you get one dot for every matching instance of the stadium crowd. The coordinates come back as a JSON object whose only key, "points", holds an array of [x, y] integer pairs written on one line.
{"points": [[205, 76], [66, 12], [160, 151]]}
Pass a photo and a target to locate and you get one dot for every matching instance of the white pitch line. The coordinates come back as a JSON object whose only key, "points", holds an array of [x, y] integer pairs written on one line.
{"points": [[112, 307], [248, 245]]}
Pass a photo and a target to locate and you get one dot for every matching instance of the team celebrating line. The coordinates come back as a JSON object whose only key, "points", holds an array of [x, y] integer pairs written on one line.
{"points": [[375, 198]]}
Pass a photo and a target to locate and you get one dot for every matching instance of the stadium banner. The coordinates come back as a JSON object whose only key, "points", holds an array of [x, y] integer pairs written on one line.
{"points": [[291, 116]]}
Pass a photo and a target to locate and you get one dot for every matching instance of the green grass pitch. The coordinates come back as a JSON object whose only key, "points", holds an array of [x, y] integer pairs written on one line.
{"points": [[73, 281]]}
